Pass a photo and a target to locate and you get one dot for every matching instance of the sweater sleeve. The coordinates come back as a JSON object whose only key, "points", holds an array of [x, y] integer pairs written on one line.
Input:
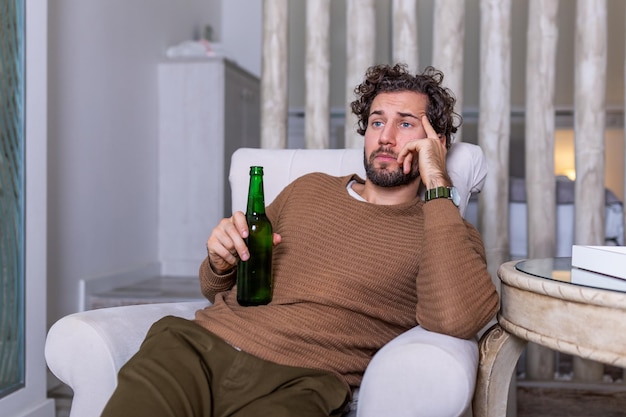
{"points": [[211, 283], [455, 293]]}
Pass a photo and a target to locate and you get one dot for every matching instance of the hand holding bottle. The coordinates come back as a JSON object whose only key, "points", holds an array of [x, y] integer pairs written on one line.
{"points": [[227, 245], [247, 241]]}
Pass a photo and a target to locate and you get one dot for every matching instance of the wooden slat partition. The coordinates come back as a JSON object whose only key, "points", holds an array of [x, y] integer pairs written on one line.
{"points": [[274, 74], [404, 33], [448, 42], [542, 38], [589, 124], [494, 128], [360, 48], [317, 120]]}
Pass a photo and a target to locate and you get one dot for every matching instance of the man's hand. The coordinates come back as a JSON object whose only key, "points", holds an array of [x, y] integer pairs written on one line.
{"points": [[226, 244], [431, 157]]}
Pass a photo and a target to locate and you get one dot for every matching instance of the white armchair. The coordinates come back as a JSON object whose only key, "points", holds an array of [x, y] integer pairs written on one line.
{"points": [[418, 373]]}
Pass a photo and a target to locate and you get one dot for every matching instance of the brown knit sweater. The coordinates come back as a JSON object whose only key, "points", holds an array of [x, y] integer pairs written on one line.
{"points": [[349, 276]]}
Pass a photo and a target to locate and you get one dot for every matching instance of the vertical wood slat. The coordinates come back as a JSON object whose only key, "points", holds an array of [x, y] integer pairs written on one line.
{"points": [[494, 129], [542, 38], [448, 46], [274, 74], [493, 137], [589, 125], [317, 112], [360, 48], [404, 33]]}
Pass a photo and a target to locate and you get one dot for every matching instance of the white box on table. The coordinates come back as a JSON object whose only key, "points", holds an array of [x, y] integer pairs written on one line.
{"points": [[607, 260]]}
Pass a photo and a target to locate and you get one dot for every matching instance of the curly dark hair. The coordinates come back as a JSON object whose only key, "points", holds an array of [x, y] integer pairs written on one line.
{"points": [[387, 78]]}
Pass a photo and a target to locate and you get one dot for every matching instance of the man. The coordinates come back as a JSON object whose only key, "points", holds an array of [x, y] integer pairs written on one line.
{"points": [[356, 263]]}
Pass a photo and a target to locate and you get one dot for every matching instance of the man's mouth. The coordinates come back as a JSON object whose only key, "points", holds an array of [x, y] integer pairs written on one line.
{"points": [[385, 155]]}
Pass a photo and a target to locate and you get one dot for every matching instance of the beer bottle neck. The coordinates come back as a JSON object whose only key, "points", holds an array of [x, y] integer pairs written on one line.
{"points": [[256, 199]]}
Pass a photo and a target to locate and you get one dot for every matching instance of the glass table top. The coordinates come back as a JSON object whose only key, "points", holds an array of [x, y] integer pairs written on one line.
{"points": [[560, 269]]}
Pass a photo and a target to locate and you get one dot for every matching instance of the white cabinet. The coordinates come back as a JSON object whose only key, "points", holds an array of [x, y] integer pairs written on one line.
{"points": [[208, 108]]}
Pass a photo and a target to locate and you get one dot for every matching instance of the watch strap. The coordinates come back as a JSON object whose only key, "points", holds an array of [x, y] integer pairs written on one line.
{"points": [[438, 192]]}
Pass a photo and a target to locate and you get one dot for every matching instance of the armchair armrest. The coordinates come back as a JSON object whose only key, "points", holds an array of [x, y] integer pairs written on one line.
{"points": [[85, 350], [420, 373]]}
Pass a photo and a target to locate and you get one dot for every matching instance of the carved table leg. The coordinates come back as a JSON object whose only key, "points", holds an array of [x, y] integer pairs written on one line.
{"points": [[499, 353]]}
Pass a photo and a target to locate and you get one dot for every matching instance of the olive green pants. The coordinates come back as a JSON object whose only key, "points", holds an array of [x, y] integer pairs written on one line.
{"points": [[182, 369]]}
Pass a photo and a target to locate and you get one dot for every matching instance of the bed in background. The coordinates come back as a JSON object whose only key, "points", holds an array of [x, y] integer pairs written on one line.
{"points": [[518, 238]]}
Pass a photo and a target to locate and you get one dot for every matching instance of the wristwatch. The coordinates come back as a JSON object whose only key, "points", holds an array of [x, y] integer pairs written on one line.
{"points": [[450, 193]]}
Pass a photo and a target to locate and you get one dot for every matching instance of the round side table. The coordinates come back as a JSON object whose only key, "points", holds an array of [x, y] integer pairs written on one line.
{"points": [[548, 302]]}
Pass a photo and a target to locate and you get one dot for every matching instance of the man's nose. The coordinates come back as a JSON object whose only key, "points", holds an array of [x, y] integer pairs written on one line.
{"points": [[387, 135]]}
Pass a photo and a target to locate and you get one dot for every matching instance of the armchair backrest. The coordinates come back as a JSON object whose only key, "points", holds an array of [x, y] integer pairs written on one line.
{"points": [[465, 162]]}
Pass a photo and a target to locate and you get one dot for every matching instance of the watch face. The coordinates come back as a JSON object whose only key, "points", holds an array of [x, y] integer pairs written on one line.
{"points": [[454, 194]]}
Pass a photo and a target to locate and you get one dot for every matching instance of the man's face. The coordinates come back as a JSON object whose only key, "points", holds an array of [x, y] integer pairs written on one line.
{"points": [[394, 120]]}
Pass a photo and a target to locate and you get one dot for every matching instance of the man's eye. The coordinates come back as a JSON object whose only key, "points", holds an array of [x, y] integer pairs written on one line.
{"points": [[406, 124], [377, 124]]}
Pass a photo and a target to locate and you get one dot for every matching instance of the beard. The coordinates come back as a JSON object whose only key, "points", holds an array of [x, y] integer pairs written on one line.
{"points": [[383, 177]]}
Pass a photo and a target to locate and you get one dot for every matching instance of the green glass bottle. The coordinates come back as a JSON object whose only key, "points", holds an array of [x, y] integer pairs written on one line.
{"points": [[254, 276]]}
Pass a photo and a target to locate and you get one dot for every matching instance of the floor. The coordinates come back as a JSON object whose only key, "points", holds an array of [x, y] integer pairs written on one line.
{"points": [[161, 289], [571, 401], [566, 397]]}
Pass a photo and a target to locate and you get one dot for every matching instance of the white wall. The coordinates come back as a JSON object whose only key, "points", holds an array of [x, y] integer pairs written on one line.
{"points": [[102, 134], [242, 33]]}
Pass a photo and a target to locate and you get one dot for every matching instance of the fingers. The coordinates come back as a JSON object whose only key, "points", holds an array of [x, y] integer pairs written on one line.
{"points": [[414, 146], [276, 239], [240, 223], [236, 232], [226, 244], [407, 163], [429, 153], [428, 128]]}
